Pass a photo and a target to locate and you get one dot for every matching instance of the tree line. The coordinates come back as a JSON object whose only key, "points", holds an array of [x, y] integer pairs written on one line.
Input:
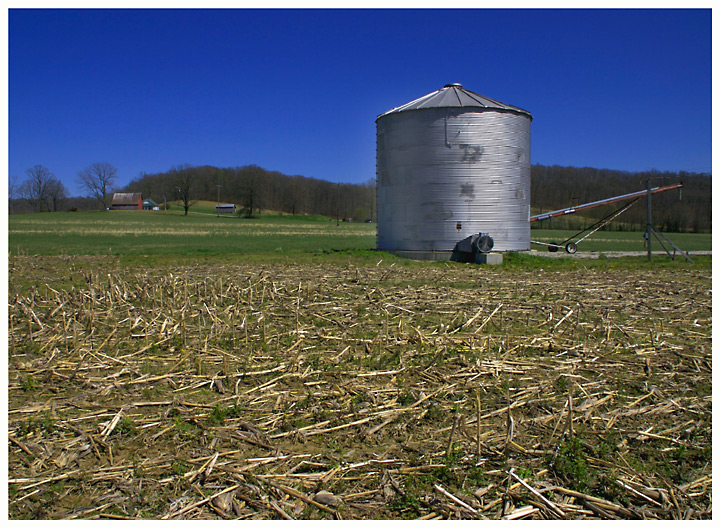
{"points": [[689, 210], [42, 191], [257, 190]]}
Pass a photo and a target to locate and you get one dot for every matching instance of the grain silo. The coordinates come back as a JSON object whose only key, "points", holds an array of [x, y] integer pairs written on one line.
{"points": [[451, 165]]}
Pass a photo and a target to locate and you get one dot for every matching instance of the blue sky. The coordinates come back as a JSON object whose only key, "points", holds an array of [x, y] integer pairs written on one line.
{"points": [[298, 91]]}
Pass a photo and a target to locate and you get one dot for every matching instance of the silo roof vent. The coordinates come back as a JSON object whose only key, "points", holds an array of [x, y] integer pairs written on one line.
{"points": [[453, 95]]}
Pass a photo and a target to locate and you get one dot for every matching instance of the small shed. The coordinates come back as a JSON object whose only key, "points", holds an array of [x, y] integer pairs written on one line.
{"points": [[126, 201], [150, 205], [225, 208]]}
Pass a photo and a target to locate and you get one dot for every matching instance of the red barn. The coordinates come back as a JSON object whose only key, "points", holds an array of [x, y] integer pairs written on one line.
{"points": [[127, 201]]}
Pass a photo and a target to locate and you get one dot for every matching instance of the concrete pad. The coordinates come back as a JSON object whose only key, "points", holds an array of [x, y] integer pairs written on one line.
{"points": [[493, 259]]}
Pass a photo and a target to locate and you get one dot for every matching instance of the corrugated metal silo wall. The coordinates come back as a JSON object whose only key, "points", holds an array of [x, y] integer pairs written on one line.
{"points": [[438, 169]]}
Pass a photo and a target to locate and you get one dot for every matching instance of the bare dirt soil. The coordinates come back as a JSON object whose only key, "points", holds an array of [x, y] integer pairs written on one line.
{"points": [[328, 391]]}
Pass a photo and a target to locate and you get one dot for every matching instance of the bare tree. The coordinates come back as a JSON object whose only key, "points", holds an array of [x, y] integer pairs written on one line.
{"points": [[56, 193], [296, 195], [35, 188], [98, 179], [252, 188], [184, 180], [12, 191]]}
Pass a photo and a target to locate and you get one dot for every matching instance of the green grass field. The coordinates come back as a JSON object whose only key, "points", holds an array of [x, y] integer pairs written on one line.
{"points": [[204, 233], [170, 232], [622, 240]]}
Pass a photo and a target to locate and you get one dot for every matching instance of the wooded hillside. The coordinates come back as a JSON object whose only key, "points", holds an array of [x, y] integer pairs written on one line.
{"points": [[255, 190], [554, 187]]}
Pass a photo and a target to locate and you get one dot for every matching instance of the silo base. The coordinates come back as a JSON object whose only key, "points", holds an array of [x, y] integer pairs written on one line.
{"points": [[423, 255], [493, 259]]}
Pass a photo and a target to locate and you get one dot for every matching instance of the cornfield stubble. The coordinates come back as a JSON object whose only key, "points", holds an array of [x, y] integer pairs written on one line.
{"points": [[357, 387]]}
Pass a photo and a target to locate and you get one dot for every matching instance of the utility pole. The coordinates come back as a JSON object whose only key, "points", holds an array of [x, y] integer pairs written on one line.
{"points": [[648, 234], [217, 209]]}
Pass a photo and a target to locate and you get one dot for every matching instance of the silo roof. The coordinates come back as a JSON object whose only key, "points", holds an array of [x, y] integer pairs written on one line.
{"points": [[455, 96]]}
